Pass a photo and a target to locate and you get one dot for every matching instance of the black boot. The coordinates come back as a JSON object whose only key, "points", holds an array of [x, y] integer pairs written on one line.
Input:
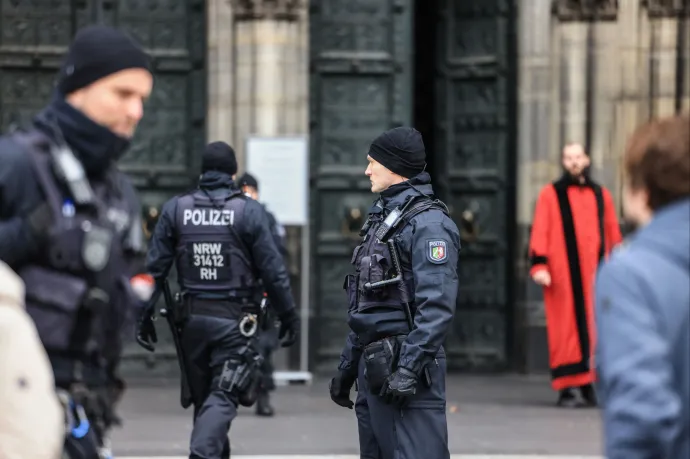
{"points": [[589, 396], [263, 405], [567, 399]]}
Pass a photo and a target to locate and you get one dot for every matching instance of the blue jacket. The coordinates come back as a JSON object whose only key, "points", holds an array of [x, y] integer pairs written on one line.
{"points": [[643, 350]]}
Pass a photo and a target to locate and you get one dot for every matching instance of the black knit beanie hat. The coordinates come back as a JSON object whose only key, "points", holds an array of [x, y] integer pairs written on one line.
{"points": [[219, 156], [248, 180], [96, 52], [400, 150]]}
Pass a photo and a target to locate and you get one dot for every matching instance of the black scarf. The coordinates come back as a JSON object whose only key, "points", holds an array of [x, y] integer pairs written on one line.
{"points": [[96, 146]]}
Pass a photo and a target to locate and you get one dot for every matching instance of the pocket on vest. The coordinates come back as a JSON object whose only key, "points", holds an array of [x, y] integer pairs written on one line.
{"points": [[53, 300]]}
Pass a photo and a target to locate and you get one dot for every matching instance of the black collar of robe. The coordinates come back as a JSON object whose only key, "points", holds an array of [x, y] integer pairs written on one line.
{"points": [[567, 180]]}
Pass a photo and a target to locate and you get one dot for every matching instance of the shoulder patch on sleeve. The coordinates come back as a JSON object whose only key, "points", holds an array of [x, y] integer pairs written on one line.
{"points": [[437, 251]]}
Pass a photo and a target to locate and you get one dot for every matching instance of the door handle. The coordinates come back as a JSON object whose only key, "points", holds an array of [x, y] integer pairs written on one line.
{"points": [[469, 228], [151, 216], [352, 222]]}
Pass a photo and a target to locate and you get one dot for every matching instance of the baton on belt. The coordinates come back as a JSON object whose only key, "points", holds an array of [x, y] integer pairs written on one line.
{"points": [[175, 329]]}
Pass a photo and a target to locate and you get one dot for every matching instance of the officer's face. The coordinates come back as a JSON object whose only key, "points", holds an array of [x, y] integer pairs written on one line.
{"points": [[251, 192], [116, 101], [574, 159], [380, 177]]}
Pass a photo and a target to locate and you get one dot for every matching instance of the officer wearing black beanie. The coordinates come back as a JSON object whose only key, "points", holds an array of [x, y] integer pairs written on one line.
{"points": [[401, 150], [219, 156], [96, 52], [70, 222], [222, 246], [397, 328]]}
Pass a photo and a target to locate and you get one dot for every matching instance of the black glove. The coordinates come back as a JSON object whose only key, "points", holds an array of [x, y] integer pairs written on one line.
{"points": [[146, 330], [340, 387], [289, 328], [399, 387]]}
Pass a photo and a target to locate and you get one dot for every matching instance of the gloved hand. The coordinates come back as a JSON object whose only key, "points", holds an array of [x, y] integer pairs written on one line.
{"points": [[146, 330], [399, 387], [340, 387], [289, 328]]}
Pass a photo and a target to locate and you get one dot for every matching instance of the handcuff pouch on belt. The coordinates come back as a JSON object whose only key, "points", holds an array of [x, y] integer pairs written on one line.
{"points": [[241, 374], [253, 315]]}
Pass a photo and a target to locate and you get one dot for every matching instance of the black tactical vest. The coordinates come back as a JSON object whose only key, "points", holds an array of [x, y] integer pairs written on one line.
{"points": [[78, 293], [373, 262], [210, 255]]}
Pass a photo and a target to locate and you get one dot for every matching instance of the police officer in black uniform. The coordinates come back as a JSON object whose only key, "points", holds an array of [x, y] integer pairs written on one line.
{"points": [[70, 224], [268, 339], [221, 244], [401, 305]]}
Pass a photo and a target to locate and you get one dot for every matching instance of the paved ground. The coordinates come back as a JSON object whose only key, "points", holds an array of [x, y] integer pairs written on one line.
{"points": [[487, 415]]}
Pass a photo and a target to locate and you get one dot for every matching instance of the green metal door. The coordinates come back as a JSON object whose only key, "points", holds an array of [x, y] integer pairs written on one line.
{"points": [[163, 159], [360, 85], [475, 144]]}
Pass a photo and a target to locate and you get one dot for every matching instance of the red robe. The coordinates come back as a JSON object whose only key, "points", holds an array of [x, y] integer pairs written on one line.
{"points": [[570, 221]]}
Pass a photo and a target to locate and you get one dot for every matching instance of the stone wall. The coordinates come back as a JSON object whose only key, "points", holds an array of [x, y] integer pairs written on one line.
{"points": [[631, 46], [258, 70]]}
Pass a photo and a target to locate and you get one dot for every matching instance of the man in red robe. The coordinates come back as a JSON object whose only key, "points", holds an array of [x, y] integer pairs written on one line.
{"points": [[574, 228]]}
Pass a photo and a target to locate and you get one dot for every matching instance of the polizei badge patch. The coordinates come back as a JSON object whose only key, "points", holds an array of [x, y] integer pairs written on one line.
{"points": [[438, 252]]}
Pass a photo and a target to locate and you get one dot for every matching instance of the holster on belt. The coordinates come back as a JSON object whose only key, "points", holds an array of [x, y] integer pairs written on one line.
{"points": [[381, 360]]}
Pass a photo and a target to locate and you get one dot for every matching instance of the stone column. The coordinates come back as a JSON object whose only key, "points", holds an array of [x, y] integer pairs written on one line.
{"points": [[606, 83], [631, 106], [271, 99], [271, 76], [537, 165], [663, 16], [221, 72]]}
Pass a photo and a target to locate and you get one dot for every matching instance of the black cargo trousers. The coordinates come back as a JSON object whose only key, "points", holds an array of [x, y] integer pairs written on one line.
{"points": [[208, 341]]}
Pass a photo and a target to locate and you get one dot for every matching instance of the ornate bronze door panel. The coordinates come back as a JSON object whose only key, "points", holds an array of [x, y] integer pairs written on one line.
{"points": [[360, 85], [475, 144]]}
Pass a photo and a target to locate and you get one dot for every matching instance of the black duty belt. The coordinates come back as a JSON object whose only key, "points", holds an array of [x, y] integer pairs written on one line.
{"points": [[223, 309]]}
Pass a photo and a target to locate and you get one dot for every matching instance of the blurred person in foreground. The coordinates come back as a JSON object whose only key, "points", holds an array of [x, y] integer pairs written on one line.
{"points": [[268, 339], [574, 228], [643, 303], [70, 224], [31, 419]]}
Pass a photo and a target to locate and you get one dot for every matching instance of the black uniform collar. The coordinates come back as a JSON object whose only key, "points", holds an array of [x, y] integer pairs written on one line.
{"points": [[566, 180], [397, 195], [211, 180]]}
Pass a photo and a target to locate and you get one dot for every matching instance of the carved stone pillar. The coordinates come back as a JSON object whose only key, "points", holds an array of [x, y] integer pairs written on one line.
{"points": [[537, 165], [271, 69], [663, 17], [221, 72]]}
